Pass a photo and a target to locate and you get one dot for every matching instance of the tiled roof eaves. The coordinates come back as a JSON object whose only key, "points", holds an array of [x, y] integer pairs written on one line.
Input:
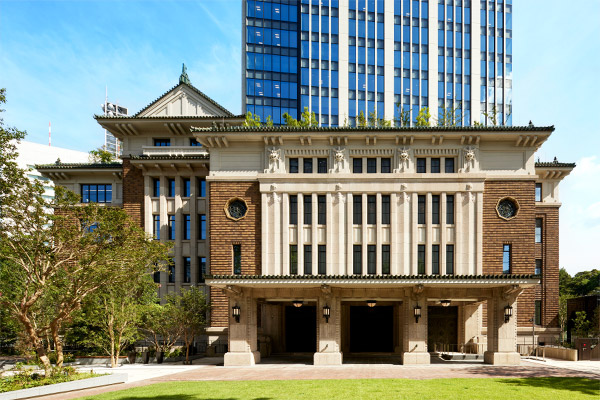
{"points": [[179, 117], [554, 165], [80, 166], [206, 157], [424, 129], [375, 277]]}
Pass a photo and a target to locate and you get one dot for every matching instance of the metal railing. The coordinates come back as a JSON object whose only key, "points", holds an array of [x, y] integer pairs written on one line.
{"points": [[463, 348]]}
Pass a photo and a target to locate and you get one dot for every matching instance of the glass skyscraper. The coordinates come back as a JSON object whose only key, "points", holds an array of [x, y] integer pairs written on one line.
{"points": [[341, 57]]}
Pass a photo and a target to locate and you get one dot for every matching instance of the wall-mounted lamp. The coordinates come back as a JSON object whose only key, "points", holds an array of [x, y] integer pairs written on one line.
{"points": [[445, 303], [417, 311], [371, 303], [326, 312], [508, 312], [236, 313], [297, 303]]}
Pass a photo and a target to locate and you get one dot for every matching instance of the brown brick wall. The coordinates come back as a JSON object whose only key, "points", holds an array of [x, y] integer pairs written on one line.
{"points": [[224, 233], [550, 266], [133, 192]]}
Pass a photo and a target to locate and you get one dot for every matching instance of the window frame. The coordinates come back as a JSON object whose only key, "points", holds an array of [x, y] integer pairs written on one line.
{"points": [[506, 258], [357, 209], [357, 259], [371, 209], [449, 259], [187, 270], [293, 259], [450, 212], [371, 165], [421, 259], [322, 165], [237, 259], [386, 165], [293, 214], [321, 209], [172, 226], [307, 212], [187, 226], [539, 230], [421, 165], [435, 165], [294, 165], [357, 165], [202, 233], [421, 209], [106, 199], [322, 259], [307, 165], [385, 259]]}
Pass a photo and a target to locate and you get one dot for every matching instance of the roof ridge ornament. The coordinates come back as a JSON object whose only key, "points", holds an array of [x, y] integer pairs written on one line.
{"points": [[183, 78]]}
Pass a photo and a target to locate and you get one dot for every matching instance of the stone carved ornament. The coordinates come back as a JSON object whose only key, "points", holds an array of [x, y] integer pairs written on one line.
{"points": [[274, 160], [404, 159], [340, 159], [470, 158]]}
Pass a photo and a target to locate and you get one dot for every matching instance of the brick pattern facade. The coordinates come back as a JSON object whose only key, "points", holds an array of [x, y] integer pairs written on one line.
{"points": [[224, 233], [550, 265], [133, 192]]}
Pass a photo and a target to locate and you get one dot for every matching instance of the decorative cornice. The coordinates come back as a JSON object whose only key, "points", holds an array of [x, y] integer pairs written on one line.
{"points": [[115, 165], [425, 129]]}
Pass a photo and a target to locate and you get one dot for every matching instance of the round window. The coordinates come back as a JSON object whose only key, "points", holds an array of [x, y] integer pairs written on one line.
{"points": [[236, 209], [507, 208]]}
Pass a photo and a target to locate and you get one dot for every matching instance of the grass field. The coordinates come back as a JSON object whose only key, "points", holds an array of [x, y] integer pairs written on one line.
{"points": [[460, 388]]}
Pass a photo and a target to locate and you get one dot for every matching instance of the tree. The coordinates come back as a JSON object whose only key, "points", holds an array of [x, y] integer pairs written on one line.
{"points": [[361, 121], [450, 116], [307, 119], [423, 117], [9, 138], [584, 283], [375, 121], [581, 326], [563, 318], [252, 120], [161, 323], [101, 155], [191, 308], [402, 116]]}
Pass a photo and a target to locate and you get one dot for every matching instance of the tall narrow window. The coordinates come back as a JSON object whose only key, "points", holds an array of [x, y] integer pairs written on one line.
{"points": [[538, 192], [307, 165], [322, 259], [293, 165], [386, 165], [307, 259], [237, 259], [171, 270], [371, 165], [371, 260], [201, 269], [421, 165], [187, 187], [187, 270], [421, 209], [435, 259], [435, 209], [538, 230], [371, 209], [538, 312], [450, 209], [156, 226], [293, 259], [421, 260], [171, 227], [171, 187], [307, 209], [449, 259], [202, 187], [322, 213], [155, 187], [538, 266], [202, 227], [186, 226], [293, 209], [449, 164], [506, 258], [322, 165], [357, 209], [385, 209], [357, 260], [435, 165], [357, 165], [156, 275], [385, 259]]}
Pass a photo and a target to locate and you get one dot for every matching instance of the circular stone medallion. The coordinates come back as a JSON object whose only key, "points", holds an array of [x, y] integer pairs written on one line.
{"points": [[507, 208], [236, 209]]}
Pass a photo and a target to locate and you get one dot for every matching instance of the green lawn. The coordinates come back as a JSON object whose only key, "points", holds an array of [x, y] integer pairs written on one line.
{"points": [[460, 388]]}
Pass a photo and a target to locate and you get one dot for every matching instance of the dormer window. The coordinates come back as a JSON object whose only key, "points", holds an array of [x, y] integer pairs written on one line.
{"points": [[162, 142]]}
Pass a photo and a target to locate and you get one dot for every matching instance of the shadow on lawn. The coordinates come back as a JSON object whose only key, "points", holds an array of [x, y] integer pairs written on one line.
{"points": [[184, 397], [590, 387]]}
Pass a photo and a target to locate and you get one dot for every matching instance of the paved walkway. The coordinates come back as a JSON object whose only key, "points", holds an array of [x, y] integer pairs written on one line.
{"points": [[211, 369]]}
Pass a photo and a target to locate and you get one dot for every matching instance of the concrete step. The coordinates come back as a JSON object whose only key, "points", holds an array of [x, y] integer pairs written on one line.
{"points": [[461, 356]]}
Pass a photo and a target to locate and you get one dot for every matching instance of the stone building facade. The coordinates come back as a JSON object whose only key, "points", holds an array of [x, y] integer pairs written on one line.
{"points": [[344, 240]]}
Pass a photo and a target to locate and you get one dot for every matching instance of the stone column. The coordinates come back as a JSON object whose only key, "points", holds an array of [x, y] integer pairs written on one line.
{"points": [[414, 334], [329, 338], [501, 335], [242, 335]]}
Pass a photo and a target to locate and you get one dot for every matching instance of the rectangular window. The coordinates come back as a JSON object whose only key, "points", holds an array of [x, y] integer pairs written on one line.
{"points": [[538, 192], [385, 259], [357, 209], [421, 165], [162, 142], [371, 260], [371, 209], [187, 270], [155, 187], [171, 227], [386, 165], [371, 165], [237, 259], [421, 260], [156, 276], [186, 226], [202, 227], [435, 165], [195, 143], [322, 165], [538, 312], [293, 259], [156, 226], [506, 258], [357, 260], [96, 193], [449, 259], [449, 165], [307, 165], [322, 259], [322, 213], [421, 208], [171, 187], [187, 187], [293, 165], [538, 230], [172, 270], [307, 209], [293, 209], [385, 209], [307, 259], [435, 209], [201, 269], [357, 165], [450, 209], [202, 184], [538, 266], [435, 259]]}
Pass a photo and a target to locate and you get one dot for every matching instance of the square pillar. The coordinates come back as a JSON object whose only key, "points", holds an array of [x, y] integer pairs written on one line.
{"points": [[414, 334], [501, 335], [243, 337], [329, 338]]}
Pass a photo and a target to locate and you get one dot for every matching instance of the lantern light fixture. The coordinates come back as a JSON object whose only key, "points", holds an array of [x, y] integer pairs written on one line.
{"points": [[445, 303], [297, 303], [236, 313], [371, 303], [417, 312], [326, 312], [508, 312]]}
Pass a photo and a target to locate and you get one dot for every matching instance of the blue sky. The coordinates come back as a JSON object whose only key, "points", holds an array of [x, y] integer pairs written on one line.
{"points": [[57, 57]]}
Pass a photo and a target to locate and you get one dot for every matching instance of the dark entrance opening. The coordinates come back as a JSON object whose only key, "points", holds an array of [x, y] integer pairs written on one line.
{"points": [[442, 327], [300, 329], [371, 329]]}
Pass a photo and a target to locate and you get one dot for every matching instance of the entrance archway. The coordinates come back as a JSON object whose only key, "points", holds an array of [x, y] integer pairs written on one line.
{"points": [[442, 327], [300, 329], [371, 329]]}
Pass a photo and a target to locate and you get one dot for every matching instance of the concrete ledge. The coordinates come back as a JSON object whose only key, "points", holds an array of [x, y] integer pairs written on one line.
{"points": [[232, 359], [81, 384], [417, 358], [502, 358], [328, 358], [559, 352]]}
